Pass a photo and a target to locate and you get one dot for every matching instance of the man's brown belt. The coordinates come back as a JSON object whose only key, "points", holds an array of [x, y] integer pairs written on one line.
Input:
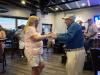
{"points": [[76, 49]]}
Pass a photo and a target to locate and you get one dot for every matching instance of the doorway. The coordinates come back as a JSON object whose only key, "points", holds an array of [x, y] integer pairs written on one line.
{"points": [[46, 28]]}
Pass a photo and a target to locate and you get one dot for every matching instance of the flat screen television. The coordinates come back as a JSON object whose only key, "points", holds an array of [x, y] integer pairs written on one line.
{"points": [[97, 20]]}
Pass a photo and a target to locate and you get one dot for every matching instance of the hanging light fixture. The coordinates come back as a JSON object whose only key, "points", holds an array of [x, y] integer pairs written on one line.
{"points": [[23, 2], [56, 8]]}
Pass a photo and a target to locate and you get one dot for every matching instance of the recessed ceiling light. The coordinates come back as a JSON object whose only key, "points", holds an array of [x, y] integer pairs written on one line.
{"points": [[56, 8], [23, 2], [83, 4]]}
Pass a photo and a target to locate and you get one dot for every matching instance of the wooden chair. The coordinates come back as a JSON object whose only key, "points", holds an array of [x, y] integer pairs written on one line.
{"points": [[2, 55], [95, 53], [15, 48]]}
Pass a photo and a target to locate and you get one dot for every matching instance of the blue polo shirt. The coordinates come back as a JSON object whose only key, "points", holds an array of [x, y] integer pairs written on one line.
{"points": [[73, 38]]}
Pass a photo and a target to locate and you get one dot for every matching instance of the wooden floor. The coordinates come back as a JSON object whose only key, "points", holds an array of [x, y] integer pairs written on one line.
{"points": [[53, 66]]}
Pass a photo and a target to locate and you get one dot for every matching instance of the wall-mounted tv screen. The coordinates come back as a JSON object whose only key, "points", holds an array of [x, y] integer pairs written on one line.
{"points": [[97, 20]]}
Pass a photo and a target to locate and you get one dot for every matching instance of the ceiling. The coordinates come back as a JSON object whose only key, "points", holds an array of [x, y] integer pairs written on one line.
{"points": [[48, 6]]}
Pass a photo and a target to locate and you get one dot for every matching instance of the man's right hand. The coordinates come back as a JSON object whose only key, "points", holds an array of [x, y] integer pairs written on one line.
{"points": [[53, 35]]}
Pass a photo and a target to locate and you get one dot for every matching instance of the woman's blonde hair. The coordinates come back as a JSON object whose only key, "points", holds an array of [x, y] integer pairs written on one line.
{"points": [[30, 22]]}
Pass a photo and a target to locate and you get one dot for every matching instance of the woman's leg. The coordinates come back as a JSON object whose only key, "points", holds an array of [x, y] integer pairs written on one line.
{"points": [[41, 66], [35, 71], [38, 70]]}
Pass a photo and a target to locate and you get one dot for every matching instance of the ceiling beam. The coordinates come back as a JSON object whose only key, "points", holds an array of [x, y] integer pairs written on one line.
{"points": [[79, 8], [77, 4], [66, 4], [62, 3], [51, 8], [60, 7], [55, 6], [4, 2], [36, 6], [88, 1], [17, 3]]}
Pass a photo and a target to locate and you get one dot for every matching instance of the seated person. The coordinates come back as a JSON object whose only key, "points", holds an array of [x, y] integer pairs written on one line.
{"points": [[2, 38]]}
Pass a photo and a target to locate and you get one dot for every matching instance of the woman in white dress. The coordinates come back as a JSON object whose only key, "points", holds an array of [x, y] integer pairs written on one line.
{"points": [[34, 45]]}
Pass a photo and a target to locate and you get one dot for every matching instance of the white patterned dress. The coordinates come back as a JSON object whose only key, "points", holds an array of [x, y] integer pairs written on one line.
{"points": [[33, 49]]}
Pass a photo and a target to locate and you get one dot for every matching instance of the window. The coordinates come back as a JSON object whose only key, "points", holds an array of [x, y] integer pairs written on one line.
{"points": [[8, 23], [22, 22]]}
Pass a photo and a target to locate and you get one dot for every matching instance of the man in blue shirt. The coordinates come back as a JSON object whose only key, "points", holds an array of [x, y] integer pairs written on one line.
{"points": [[74, 42]]}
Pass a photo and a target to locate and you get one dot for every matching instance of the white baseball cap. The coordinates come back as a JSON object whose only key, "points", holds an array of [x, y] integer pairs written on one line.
{"points": [[70, 17]]}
